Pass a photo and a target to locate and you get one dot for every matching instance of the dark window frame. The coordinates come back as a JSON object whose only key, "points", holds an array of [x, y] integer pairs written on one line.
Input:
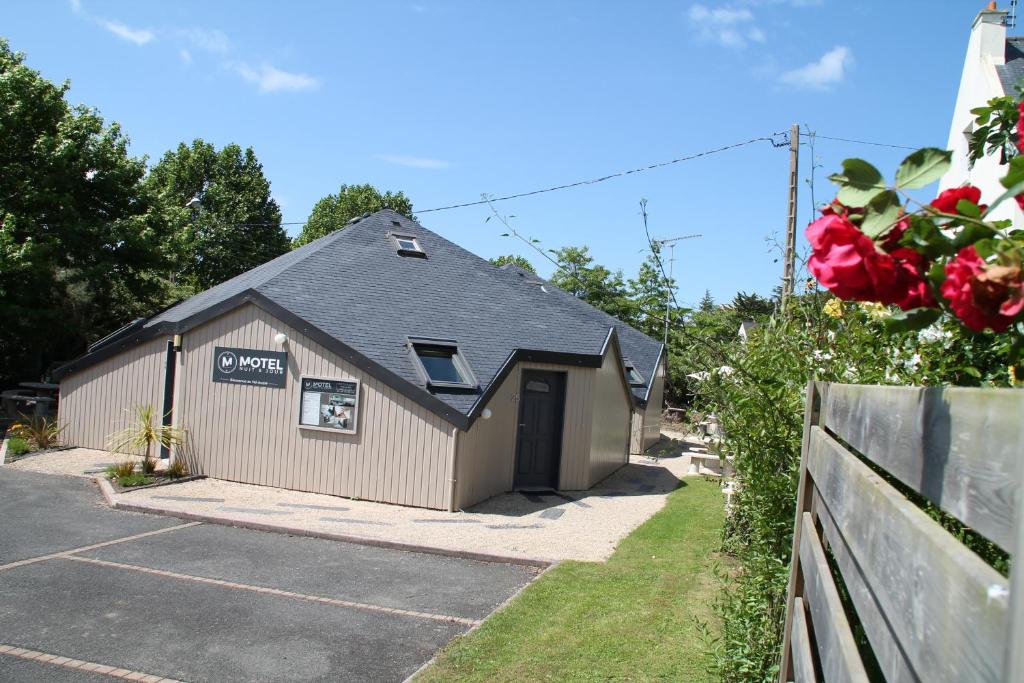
{"points": [[458, 359], [631, 370], [398, 238]]}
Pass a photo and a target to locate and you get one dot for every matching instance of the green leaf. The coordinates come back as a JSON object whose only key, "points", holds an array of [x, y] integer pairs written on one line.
{"points": [[972, 371], [916, 319], [881, 213], [923, 167], [971, 233], [965, 207], [858, 183], [1015, 174], [927, 239], [937, 274]]}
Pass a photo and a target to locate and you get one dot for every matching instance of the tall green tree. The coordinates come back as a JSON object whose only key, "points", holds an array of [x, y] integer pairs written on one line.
{"points": [[650, 292], [752, 306], [79, 247], [223, 220], [580, 276], [515, 260], [334, 211], [707, 302]]}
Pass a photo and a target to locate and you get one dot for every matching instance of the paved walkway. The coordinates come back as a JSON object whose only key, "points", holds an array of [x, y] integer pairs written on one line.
{"points": [[580, 525], [88, 593]]}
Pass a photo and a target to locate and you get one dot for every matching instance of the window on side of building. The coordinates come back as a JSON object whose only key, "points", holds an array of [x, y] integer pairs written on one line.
{"points": [[634, 376], [441, 365], [407, 245]]}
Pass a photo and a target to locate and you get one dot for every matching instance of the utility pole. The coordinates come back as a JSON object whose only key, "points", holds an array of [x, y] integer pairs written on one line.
{"points": [[671, 243], [789, 268]]}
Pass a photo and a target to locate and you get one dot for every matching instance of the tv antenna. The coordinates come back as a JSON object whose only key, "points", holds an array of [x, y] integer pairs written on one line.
{"points": [[671, 244]]}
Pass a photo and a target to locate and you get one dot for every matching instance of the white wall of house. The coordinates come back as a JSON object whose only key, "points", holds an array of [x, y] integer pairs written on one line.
{"points": [[979, 83]]}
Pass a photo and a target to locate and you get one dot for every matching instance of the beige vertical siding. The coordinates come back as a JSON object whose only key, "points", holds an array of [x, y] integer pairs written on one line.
{"points": [[399, 453], [612, 420], [486, 453], [99, 400], [636, 432], [652, 414]]}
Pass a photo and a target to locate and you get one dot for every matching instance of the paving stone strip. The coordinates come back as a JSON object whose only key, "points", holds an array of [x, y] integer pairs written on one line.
{"points": [[254, 511], [515, 526], [354, 521], [190, 499], [69, 663], [447, 521], [309, 506], [104, 544], [274, 591]]}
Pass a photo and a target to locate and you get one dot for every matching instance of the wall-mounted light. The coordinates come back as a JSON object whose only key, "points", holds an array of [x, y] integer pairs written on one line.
{"points": [[486, 413], [281, 338]]}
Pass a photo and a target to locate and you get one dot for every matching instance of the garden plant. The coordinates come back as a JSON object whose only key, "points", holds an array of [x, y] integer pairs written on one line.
{"points": [[915, 293]]}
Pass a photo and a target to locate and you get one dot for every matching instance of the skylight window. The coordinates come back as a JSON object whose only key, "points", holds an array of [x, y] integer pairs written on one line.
{"points": [[407, 245], [635, 378], [440, 364]]}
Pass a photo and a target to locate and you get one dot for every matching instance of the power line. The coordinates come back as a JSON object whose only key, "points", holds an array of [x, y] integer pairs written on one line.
{"points": [[772, 139], [860, 142], [779, 139]]}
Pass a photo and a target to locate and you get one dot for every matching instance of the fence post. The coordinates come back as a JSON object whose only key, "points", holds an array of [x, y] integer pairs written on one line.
{"points": [[812, 417], [1013, 668]]}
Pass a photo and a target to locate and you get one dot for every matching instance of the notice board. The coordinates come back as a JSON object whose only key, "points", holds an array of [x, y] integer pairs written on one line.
{"points": [[329, 404]]}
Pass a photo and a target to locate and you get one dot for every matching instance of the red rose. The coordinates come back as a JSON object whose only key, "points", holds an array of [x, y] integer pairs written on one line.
{"points": [[848, 264], [892, 238], [982, 295], [946, 201], [914, 289], [1020, 124], [845, 260]]}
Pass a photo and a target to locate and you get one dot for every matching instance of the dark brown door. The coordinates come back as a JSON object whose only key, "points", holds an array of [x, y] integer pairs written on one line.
{"points": [[539, 450]]}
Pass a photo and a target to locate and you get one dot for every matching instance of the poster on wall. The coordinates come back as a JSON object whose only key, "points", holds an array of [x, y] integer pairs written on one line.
{"points": [[250, 366], [330, 404]]}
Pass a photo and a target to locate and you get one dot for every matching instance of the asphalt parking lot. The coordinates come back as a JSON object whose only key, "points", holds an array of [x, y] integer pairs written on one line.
{"points": [[92, 594]]}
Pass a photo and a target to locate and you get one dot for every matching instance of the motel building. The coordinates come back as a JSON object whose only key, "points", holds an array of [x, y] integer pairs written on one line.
{"points": [[385, 363]]}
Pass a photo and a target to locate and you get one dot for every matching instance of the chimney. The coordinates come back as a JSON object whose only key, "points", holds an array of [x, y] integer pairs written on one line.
{"points": [[988, 34]]}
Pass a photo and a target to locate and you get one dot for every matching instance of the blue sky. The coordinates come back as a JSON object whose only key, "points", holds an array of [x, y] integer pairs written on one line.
{"points": [[447, 100]]}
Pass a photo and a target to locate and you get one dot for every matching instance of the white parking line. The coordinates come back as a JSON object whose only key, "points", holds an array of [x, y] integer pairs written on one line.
{"points": [[94, 546], [274, 591], [69, 663]]}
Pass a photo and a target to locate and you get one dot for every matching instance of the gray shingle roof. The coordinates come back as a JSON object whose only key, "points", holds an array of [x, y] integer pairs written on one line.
{"points": [[353, 286], [1012, 72]]}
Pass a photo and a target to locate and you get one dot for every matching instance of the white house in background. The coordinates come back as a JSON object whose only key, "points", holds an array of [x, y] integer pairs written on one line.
{"points": [[993, 66], [746, 327]]}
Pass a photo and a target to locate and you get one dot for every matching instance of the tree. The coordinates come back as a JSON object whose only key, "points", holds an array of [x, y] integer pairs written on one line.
{"points": [[515, 260], [707, 302], [578, 275], [223, 220], [334, 211], [79, 244], [752, 306], [650, 293]]}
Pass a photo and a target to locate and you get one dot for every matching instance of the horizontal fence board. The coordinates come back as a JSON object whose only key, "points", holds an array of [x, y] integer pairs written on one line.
{"points": [[891, 658], [957, 447], [934, 590], [837, 651], [803, 660]]}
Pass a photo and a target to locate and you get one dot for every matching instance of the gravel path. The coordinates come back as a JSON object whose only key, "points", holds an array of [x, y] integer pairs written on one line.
{"points": [[79, 462], [580, 525]]}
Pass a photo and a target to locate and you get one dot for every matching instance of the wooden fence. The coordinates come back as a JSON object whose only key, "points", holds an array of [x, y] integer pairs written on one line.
{"points": [[931, 610]]}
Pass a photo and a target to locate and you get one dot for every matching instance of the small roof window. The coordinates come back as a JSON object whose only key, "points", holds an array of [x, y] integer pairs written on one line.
{"points": [[408, 245], [633, 375], [440, 364]]}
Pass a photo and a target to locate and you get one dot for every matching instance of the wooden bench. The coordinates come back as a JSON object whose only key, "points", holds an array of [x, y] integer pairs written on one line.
{"points": [[931, 610]]}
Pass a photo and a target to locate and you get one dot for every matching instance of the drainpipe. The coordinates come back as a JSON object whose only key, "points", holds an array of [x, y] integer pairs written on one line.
{"points": [[452, 482]]}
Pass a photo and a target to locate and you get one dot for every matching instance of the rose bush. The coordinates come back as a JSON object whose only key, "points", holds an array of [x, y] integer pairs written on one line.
{"points": [[872, 245]]}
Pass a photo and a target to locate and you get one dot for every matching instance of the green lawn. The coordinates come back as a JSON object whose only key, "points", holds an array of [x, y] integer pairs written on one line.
{"points": [[632, 618]]}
